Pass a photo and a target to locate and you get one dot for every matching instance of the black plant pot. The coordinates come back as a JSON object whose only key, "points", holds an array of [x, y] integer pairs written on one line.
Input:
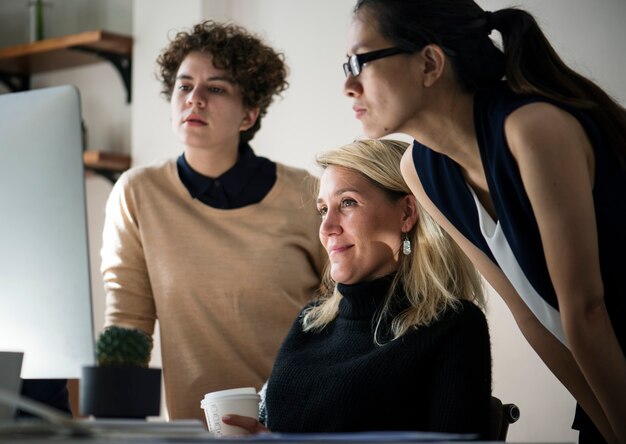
{"points": [[120, 392]]}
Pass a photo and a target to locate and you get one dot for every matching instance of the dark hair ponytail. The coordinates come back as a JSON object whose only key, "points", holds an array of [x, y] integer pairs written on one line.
{"points": [[529, 63], [532, 66]]}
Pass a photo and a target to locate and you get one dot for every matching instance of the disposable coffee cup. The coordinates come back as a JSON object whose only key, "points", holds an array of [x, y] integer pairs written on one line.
{"points": [[240, 401]]}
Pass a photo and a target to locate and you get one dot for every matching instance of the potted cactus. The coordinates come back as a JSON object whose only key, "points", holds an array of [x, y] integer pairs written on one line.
{"points": [[121, 385]]}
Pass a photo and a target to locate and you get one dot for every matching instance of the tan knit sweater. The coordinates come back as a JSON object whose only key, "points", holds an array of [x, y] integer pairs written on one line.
{"points": [[225, 285]]}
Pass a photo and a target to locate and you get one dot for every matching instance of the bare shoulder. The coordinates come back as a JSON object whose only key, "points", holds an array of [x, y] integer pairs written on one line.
{"points": [[544, 128], [407, 167], [538, 115]]}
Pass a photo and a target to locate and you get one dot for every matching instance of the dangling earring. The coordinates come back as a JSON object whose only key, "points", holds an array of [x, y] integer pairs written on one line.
{"points": [[406, 245]]}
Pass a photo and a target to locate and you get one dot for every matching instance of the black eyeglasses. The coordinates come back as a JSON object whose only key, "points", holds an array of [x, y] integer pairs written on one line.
{"points": [[355, 61]]}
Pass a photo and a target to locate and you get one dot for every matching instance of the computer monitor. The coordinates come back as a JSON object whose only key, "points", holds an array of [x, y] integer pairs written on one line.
{"points": [[45, 292]]}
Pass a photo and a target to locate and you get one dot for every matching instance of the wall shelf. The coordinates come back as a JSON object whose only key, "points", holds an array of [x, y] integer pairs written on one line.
{"points": [[109, 165], [100, 160], [19, 62]]}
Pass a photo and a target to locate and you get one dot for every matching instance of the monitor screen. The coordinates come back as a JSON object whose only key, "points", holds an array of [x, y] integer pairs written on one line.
{"points": [[45, 293]]}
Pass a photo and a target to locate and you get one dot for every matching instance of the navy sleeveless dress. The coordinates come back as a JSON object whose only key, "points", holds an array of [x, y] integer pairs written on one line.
{"points": [[446, 187]]}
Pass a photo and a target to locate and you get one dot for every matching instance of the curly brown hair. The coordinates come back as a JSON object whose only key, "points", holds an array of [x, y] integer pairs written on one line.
{"points": [[258, 70]]}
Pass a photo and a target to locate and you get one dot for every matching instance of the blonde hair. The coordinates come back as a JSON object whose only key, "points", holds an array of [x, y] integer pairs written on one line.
{"points": [[435, 277]]}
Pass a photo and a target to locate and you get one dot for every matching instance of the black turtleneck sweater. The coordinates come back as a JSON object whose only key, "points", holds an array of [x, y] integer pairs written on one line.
{"points": [[435, 378]]}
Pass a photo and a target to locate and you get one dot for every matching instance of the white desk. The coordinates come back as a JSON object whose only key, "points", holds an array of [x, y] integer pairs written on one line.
{"points": [[191, 433]]}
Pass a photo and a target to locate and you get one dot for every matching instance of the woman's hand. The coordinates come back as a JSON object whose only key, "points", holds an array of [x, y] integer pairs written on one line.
{"points": [[251, 425]]}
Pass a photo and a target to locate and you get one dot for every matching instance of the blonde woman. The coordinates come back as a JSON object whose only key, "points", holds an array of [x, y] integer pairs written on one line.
{"points": [[399, 323]]}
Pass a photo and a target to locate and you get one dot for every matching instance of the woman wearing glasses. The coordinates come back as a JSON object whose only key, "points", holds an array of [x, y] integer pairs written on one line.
{"points": [[527, 175], [398, 341]]}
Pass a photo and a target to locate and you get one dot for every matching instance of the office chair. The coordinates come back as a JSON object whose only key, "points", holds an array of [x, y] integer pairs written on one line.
{"points": [[501, 416]]}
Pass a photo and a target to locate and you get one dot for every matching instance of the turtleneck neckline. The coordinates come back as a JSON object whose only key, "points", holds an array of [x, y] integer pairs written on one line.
{"points": [[362, 300]]}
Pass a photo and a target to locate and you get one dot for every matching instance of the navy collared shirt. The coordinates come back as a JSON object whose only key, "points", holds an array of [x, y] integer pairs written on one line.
{"points": [[246, 183]]}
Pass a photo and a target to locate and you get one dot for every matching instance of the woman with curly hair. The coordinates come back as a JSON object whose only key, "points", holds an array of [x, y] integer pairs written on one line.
{"points": [[219, 245]]}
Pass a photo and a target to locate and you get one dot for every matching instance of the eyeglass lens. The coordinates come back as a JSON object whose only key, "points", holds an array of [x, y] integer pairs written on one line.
{"points": [[355, 61]]}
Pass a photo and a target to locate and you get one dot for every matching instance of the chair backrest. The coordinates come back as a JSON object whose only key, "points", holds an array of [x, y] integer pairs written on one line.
{"points": [[501, 416]]}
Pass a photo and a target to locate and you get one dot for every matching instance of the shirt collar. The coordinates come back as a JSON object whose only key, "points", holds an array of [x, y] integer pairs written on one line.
{"points": [[234, 180]]}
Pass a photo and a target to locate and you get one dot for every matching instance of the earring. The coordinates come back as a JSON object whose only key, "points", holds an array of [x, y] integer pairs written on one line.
{"points": [[406, 245]]}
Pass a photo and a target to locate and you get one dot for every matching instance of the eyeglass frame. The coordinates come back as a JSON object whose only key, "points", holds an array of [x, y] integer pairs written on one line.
{"points": [[355, 62]]}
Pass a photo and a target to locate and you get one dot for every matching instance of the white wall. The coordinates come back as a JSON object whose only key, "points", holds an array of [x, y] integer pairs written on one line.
{"points": [[307, 34], [62, 17], [313, 115], [153, 23]]}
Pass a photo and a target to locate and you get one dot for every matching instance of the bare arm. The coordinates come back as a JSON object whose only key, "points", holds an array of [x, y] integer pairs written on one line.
{"points": [[557, 357], [541, 136]]}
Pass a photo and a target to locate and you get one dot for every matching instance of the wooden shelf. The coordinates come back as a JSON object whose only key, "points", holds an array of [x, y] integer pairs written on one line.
{"points": [[19, 62], [103, 161], [60, 52]]}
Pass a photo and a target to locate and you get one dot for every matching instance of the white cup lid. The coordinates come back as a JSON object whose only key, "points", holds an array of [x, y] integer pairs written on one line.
{"points": [[230, 392]]}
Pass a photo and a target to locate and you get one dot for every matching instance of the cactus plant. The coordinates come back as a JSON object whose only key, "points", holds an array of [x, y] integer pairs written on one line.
{"points": [[123, 347], [121, 385]]}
